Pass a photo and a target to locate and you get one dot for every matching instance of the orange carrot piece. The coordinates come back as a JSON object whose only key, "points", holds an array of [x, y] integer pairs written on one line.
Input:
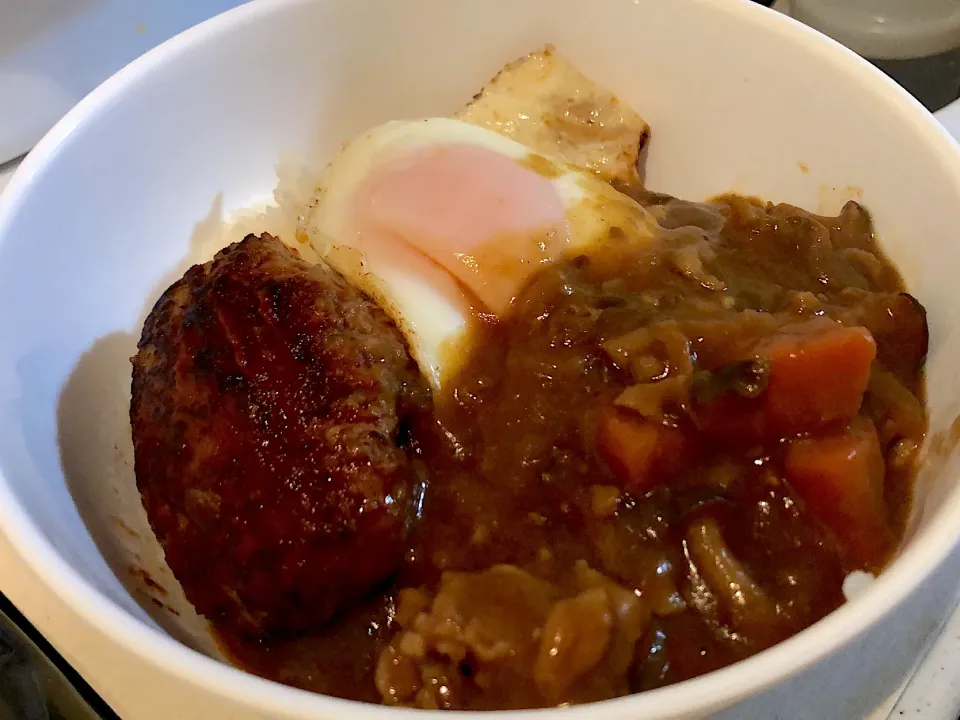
{"points": [[816, 378], [840, 478], [817, 375], [643, 453]]}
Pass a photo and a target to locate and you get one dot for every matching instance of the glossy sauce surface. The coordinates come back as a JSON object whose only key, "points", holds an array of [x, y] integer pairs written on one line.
{"points": [[639, 442]]}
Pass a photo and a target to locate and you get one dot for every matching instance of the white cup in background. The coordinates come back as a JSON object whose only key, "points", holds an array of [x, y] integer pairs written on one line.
{"points": [[914, 41]]}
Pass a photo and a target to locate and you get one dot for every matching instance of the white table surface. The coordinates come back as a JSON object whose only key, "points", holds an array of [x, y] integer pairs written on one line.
{"points": [[906, 667], [53, 52]]}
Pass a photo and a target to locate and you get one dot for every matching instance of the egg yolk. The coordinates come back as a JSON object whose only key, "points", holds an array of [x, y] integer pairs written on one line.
{"points": [[483, 217]]}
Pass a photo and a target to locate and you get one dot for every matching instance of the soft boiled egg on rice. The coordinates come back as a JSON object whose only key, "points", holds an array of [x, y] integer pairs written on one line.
{"points": [[441, 221]]}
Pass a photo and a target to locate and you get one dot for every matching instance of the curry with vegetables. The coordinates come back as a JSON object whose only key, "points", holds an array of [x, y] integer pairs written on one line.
{"points": [[661, 461], [521, 433]]}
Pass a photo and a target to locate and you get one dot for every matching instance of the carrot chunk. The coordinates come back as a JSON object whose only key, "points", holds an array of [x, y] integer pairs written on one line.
{"points": [[643, 453], [816, 375], [840, 478], [816, 378]]}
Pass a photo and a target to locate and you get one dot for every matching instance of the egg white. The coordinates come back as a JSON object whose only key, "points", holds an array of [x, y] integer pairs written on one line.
{"points": [[434, 319]]}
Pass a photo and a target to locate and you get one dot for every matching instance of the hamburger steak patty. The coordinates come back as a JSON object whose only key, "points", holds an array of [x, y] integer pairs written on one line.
{"points": [[267, 400]]}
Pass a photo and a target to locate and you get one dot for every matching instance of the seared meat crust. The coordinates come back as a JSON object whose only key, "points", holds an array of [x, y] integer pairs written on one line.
{"points": [[267, 400]]}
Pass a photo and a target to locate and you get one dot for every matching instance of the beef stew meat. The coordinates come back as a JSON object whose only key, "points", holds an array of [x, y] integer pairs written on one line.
{"points": [[664, 459]]}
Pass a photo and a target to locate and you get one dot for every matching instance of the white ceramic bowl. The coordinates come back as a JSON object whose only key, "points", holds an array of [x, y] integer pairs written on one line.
{"points": [[135, 182]]}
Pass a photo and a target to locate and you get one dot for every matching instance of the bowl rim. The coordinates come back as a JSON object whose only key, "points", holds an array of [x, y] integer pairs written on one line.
{"points": [[720, 688]]}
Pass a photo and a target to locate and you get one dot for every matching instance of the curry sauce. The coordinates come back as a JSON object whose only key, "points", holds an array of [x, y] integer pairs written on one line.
{"points": [[661, 460]]}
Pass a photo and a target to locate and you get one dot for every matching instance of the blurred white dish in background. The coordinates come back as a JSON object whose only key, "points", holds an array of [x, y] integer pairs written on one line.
{"points": [[883, 29]]}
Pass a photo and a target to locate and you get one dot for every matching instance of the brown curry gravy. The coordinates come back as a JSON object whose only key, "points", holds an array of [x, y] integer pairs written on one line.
{"points": [[510, 467]]}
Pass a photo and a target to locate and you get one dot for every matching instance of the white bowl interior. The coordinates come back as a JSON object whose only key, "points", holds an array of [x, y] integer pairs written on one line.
{"points": [[139, 180]]}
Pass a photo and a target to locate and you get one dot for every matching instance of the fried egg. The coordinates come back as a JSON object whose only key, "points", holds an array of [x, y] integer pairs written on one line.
{"points": [[443, 222]]}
